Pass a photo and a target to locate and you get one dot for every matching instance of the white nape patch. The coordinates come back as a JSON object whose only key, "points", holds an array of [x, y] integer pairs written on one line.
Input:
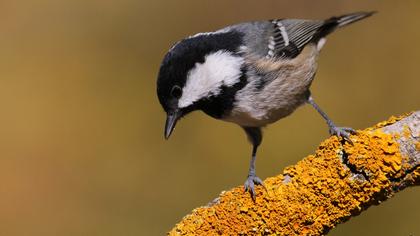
{"points": [[321, 44], [209, 33], [243, 48], [219, 68], [201, 34]]}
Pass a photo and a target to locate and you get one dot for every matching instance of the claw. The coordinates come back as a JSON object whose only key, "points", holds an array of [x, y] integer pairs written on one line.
{"points": [[343, 132], [350, 130], [249, 185]]}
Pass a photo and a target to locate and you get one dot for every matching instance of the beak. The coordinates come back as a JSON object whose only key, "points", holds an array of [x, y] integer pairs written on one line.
{"points": [[171, 120]]}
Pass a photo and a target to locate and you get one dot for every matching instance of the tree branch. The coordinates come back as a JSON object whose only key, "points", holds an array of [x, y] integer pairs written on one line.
{"points": [[324, 189]]}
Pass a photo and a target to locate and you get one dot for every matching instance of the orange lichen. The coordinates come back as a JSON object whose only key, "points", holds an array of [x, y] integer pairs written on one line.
{"points": [[375, 152], [310, 197], [390, 121]]}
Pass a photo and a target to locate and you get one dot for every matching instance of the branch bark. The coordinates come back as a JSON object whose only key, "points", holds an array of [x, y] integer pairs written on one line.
{"points": [[324, 189]]}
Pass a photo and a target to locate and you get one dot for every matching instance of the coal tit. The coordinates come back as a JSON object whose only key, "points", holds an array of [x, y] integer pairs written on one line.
{"points": [[251, 74]]}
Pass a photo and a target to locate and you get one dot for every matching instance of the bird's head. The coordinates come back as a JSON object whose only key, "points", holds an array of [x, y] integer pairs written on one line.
{"points": [[196, 74]]}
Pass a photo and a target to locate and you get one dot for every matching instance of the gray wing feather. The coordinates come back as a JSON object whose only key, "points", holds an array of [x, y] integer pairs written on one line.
{"points": [[286, 38], [290, 36]]}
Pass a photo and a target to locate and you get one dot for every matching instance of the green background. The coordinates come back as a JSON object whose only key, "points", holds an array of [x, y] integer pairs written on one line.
{"points": [[81, 130]]}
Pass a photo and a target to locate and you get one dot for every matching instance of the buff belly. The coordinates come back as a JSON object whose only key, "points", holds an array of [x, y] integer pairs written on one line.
{"points": [[257, 107]]}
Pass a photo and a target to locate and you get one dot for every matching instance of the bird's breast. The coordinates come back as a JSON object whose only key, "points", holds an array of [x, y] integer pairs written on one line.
{"points": [[285, 87]]}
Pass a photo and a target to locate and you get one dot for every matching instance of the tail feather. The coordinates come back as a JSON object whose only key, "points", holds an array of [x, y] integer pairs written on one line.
{"points": [[350, 18], [337, 22]]}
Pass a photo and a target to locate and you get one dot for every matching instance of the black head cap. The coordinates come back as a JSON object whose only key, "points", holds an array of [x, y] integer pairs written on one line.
{"points": [[177, 63], [182, 57]]}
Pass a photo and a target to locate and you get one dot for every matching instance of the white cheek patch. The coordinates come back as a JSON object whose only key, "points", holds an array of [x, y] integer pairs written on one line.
{"points": [[219, 68]]}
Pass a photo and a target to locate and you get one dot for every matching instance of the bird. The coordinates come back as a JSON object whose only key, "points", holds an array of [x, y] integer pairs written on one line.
{"points": [[251, 74]]}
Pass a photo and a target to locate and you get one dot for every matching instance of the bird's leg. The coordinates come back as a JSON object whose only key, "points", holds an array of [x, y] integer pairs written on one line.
{"points": [[252, 178], [255, 136], [343, 132]]}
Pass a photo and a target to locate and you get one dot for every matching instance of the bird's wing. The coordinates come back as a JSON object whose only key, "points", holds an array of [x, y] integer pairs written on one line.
{"points": [[275, 39], [288, 37]]}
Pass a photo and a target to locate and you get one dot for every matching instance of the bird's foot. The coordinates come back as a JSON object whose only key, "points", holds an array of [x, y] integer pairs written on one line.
{"points": [[250, 183], [343, 132]]}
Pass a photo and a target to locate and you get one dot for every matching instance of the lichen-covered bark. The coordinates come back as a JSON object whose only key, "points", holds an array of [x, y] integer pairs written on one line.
{"points": [[324, 189]]}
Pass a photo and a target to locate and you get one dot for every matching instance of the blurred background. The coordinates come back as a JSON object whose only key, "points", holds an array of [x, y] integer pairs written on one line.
{"points": [[81, 129]]}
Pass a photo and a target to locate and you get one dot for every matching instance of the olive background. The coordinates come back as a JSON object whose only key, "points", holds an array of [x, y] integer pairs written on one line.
{"points": [[81, 129]]}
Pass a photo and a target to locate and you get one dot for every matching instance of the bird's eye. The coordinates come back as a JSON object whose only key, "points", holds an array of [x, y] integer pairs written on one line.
{"points": [[176, 91]]}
